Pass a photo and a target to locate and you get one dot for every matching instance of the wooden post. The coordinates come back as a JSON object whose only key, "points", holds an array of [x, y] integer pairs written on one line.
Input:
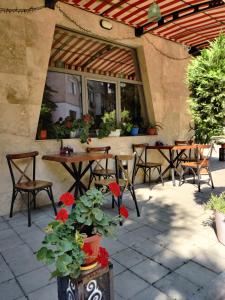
{"points": [[97, 282]]}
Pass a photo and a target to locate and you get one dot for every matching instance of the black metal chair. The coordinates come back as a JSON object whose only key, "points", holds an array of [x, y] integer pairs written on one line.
{"points": [[25, 184], [124, 178], [144, 164], [100, 168]]}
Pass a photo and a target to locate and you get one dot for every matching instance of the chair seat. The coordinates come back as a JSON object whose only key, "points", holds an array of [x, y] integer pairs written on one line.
{"points": [[195, 164], [33, 185], [149, 165], [103, 172], [187, 159], [107, 181]]}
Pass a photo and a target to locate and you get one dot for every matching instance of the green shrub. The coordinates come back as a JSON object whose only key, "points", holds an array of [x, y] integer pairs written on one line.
{"points": [[217, 202]]}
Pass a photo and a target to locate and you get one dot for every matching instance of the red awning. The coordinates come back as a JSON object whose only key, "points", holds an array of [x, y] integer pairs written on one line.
{"points": [[84, 53], [190, 22]]}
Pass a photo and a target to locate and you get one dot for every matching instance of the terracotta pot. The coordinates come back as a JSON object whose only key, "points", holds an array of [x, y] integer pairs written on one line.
{"points": [[94, 242], [152, 131], [220, 226], [43, 134]]}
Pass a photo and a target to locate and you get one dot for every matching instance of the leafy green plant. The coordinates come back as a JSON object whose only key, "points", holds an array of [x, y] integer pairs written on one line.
{"points": [[206, 82], [108, 124], [64, 243], [217, 202]]}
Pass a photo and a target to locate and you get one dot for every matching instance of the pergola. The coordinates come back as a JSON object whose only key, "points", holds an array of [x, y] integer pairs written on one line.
{"points": [[190, 22]]}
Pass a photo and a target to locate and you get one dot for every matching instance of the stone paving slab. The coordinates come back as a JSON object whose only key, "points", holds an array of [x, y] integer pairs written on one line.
{"points": [[151, 293], [10, 290]]}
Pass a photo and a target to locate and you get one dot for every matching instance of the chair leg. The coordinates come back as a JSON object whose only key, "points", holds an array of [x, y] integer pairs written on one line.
{"points": [[210, 176], [198, 175], [113, 201], [14, 194], [52, 200], [119, 202], [132, 192], [181, 176], [90, 181], [28, 211], [34, 199], [160, 174]]}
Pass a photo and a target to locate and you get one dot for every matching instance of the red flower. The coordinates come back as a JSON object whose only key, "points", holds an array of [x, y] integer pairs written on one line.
{"points": [[124, 212], [115, 189], [103, 257], [87, 249], [67, 199], [62, 215]]}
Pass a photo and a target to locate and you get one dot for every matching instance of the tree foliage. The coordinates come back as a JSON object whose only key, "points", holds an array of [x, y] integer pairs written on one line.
{"points": [[206, 82]]}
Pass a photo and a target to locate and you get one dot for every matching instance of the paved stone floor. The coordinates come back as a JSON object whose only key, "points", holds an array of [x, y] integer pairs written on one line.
{"points": [[170, 252]]}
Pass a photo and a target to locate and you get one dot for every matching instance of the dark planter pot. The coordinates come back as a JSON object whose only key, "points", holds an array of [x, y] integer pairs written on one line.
{"points": [[43, 134], [95, 284], [134, 131]]}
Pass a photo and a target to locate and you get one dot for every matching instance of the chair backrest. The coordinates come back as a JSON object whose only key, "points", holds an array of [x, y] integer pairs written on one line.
{"points": [[123, 169], [101, 163], [27, 158], [179, 142], [204, 153], [141, 153]]}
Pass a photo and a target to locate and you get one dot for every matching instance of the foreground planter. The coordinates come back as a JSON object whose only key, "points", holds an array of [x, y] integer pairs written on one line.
{"points": [[95, 284], [220, 226]]}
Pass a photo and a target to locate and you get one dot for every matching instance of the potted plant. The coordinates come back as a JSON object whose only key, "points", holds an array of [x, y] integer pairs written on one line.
{"points": [[134, 130], [217, 203], [72, 240], [84, 126], [109, 126], [152, 128]]}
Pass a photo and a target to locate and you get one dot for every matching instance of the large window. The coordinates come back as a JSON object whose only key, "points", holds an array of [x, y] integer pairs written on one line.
{"points": [[94, 79]]}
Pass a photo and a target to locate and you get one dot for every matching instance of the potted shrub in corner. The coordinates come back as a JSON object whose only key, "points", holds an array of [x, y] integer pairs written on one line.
{"points": [[72, 241], [152, 128], [217, 203]]}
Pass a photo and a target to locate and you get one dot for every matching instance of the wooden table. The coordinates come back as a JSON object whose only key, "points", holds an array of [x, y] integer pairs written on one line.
{"points": [[73, 163], [171, 158]]}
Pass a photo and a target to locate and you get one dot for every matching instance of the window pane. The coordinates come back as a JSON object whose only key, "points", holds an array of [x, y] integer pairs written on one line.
{"points": [[132, 100], [101, 99], [62, 102]]}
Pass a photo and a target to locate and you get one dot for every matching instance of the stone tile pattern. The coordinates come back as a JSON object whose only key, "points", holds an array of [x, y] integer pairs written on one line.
{"points": [[170, 252]]}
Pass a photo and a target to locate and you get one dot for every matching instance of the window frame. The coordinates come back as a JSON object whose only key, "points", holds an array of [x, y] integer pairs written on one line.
{"points": [[85, 76]]}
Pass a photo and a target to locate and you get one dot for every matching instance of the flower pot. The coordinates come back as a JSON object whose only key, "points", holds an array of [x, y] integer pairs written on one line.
{"points": [[152, 131], [222, 146], [74, 133], [220, 226], [94, 244], [134, 131], [115, 132], [43, 134]]}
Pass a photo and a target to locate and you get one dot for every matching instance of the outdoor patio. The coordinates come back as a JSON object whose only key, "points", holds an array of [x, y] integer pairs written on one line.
{"points": [[170, 252]]}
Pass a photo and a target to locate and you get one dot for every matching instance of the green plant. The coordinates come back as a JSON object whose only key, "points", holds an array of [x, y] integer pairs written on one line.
{"points": [[108, 124], [217, 202], [64, 243], [84, 126], [206, 82]]}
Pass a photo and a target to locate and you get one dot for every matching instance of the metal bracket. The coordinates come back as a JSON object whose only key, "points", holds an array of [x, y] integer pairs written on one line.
{"points": [[50, 3]]}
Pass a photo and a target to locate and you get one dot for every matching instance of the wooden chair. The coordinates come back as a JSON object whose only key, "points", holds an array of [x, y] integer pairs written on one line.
{"points": [[186, 156], [123, 178], [199, 167], [25, 184], [101, 166], [144, 164]]}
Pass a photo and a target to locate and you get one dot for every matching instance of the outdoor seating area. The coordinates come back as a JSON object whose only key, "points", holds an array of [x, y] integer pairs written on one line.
{"points": [[112, 135], [169, 252]]}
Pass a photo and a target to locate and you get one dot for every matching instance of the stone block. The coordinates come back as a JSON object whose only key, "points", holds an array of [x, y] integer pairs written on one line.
{"points": [[128, 257]]}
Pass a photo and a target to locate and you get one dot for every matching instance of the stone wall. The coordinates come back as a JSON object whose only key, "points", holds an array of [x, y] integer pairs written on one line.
{"points": [[25, 44]]}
